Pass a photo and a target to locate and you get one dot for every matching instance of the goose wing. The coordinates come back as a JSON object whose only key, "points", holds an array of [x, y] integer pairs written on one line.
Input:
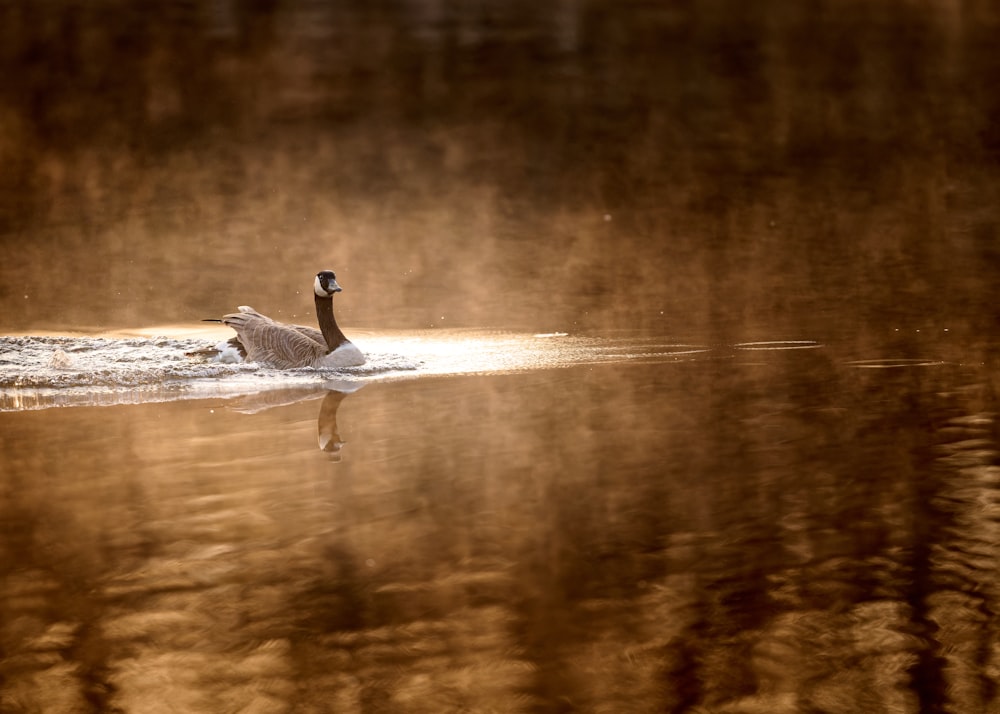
{"points": [[311, 332], [273, 343]]}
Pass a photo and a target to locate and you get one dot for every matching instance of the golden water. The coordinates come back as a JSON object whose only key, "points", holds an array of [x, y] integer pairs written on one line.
{"points": [[686, 315]]}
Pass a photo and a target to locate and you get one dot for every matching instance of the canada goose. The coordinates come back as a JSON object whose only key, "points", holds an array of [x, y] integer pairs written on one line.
{"points": [[261, 339]]}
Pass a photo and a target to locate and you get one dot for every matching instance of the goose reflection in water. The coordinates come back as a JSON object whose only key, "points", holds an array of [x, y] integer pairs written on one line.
{"points": [[329, 434], [333, 392]]}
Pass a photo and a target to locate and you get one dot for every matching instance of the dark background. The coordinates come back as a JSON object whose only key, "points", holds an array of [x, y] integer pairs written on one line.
{"points": [[742, 170]]}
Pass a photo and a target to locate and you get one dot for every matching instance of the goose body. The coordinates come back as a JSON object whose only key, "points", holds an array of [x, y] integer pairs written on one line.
{"points": [[283, 346]]}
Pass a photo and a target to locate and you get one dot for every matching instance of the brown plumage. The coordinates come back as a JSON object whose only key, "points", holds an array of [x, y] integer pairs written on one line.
{"points": [[285, 346]]}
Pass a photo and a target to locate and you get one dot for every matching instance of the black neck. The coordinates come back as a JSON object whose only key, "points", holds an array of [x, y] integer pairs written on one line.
{"points": [[328, 323]]}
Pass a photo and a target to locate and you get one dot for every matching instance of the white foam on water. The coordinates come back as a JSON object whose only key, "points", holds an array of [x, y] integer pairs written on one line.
{"points": [[37, 372]]}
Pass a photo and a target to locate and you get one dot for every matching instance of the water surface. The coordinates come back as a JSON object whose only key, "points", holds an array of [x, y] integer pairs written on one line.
{"points": [[681, 323], [768, 527]]}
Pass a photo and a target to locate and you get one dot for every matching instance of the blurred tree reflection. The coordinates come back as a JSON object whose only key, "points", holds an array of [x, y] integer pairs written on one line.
{"points": [[708, 164]]}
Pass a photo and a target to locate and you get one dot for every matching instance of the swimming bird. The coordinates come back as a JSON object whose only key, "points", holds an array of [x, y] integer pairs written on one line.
{"points": [[276, 344]]}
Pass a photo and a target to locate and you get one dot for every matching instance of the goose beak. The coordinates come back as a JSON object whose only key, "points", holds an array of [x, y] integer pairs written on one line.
{"points": [[333, 287]]}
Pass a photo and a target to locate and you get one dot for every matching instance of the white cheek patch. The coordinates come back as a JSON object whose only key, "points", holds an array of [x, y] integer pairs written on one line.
{"points": [[318, 288]]}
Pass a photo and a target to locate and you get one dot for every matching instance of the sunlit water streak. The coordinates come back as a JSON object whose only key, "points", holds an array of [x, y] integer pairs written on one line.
{"points": [[37, 372], [893, 363], [779, 345]]}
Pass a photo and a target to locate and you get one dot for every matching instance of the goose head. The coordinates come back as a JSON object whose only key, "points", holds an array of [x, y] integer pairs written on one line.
{"points": [[325, 284]]}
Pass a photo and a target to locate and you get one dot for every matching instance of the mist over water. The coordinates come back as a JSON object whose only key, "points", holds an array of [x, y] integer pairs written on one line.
{"points": [[681, 324], [572, 165]]}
